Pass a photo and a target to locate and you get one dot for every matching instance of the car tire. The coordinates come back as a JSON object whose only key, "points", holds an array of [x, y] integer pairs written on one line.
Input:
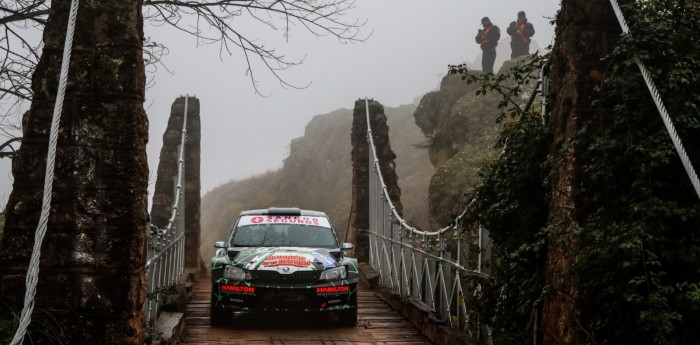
{"points": [[347, 317], [217, 317]]}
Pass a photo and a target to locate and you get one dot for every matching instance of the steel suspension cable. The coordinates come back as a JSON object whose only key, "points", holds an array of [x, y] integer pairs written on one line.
{"points": [[33, 269], [661, 108]]}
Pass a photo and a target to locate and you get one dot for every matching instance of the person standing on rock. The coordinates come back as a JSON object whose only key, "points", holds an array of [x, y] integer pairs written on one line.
{"points": [[488, 39], [520, 32]]}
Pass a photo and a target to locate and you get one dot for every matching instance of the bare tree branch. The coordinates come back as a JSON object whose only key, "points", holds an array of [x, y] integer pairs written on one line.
{"points": [[7, 150], [215, 22]]}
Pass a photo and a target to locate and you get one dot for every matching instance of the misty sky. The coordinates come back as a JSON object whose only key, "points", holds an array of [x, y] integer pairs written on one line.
{"points": [[244, 134]]}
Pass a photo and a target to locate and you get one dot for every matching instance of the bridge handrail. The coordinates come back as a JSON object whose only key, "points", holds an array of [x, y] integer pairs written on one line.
{"points": [[166, 248], [386, 193], [454, 264], [432, 279]]}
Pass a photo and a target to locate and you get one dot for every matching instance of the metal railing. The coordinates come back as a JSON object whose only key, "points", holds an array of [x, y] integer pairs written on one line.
{"points": [[429, 268], [165, 256]]}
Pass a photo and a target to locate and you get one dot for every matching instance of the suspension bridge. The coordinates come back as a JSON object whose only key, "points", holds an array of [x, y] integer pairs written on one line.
{"points": [[414, 283]]}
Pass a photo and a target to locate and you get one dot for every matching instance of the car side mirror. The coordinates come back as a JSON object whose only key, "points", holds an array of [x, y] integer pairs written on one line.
{"points": [[345, 246], [220, 244]]}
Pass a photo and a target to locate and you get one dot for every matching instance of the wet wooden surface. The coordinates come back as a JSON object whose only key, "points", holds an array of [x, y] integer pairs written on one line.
{"points": [[377, 323]]}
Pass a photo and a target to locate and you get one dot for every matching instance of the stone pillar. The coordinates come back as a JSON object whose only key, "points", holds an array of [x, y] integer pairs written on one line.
{"points": [[164, 193], [91, 285], [587, 31], [359, 218]]}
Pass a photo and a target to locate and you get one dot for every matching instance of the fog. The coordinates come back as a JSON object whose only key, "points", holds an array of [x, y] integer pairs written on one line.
{"points": [[243, 134]]}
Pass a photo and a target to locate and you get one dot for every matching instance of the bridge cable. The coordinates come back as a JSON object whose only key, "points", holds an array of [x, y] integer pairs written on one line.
{"points": [[661, 108], [393, 208], [33, 269]]}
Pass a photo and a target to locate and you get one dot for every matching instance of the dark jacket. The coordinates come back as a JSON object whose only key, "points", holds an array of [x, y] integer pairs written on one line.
{"points": [[520, 32], [488, 37]]}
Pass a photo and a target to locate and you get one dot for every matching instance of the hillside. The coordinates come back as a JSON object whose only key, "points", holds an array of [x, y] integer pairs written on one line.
{"points": [[318, 175]]}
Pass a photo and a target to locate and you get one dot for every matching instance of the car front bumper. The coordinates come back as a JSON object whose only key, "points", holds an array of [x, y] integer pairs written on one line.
{"points": [[250, 297]]}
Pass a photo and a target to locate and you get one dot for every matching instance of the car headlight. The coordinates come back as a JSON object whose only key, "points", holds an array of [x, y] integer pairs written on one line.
{"points": [[236, 273], [334, 274]]}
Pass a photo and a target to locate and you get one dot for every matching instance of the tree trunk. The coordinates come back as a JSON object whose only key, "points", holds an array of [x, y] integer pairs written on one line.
{"points": [[586, 33], [91, 279]]}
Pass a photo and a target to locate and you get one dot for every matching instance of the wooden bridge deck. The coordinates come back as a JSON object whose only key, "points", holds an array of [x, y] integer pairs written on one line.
{"points": [[377, 323]]}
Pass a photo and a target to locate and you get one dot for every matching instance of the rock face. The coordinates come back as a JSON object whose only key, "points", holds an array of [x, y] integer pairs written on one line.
{"points": [[461, 130], [167, 176], [91, 285]]}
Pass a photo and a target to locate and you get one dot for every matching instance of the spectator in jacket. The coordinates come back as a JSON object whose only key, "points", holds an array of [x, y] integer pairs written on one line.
{"points": [[488, 39], [520, 32]]}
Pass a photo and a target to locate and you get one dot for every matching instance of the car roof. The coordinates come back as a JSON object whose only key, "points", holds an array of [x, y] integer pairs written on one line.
{"points": [[286, 211]]}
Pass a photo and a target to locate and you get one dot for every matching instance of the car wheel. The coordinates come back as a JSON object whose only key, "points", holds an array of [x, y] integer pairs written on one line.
{"points": [[347, 317], [217, 317]]}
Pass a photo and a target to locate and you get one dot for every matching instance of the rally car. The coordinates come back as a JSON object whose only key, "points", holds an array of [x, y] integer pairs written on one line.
{"points": [[283, 260]]}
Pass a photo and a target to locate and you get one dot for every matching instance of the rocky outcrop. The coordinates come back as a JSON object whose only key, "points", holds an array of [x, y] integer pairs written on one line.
{"points": [[460, 131]]}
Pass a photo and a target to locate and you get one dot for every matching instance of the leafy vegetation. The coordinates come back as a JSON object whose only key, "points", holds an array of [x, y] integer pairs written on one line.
{"points": [[513, 194], [639, 260], [640, 263]]}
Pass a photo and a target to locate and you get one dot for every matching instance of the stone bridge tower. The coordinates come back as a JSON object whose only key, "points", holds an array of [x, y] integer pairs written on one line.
{"points": [[164, 193], [91, 282], [359, 217]]}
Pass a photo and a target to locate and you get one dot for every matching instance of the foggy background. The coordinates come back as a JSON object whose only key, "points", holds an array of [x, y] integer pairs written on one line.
{"points": [[243, 134]]}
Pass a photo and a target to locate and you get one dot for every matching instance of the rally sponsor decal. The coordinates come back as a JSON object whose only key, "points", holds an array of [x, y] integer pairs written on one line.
{"points": [[286, 260], [333, 290], [303, 220], [271, 259], [239, 289]]}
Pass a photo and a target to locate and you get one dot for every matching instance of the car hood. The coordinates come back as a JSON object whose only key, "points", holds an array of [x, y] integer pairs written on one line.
{"points": [[287, 259]]}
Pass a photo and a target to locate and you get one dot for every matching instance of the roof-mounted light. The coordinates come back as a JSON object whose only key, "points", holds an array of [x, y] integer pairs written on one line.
{"points": [[290, 211]]}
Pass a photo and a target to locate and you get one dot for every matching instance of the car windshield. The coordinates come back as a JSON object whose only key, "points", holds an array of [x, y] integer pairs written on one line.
{"points": [[283, 235]]}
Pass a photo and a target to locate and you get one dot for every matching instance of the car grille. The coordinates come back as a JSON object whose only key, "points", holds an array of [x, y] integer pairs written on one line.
{"points": [[272, 277]]}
